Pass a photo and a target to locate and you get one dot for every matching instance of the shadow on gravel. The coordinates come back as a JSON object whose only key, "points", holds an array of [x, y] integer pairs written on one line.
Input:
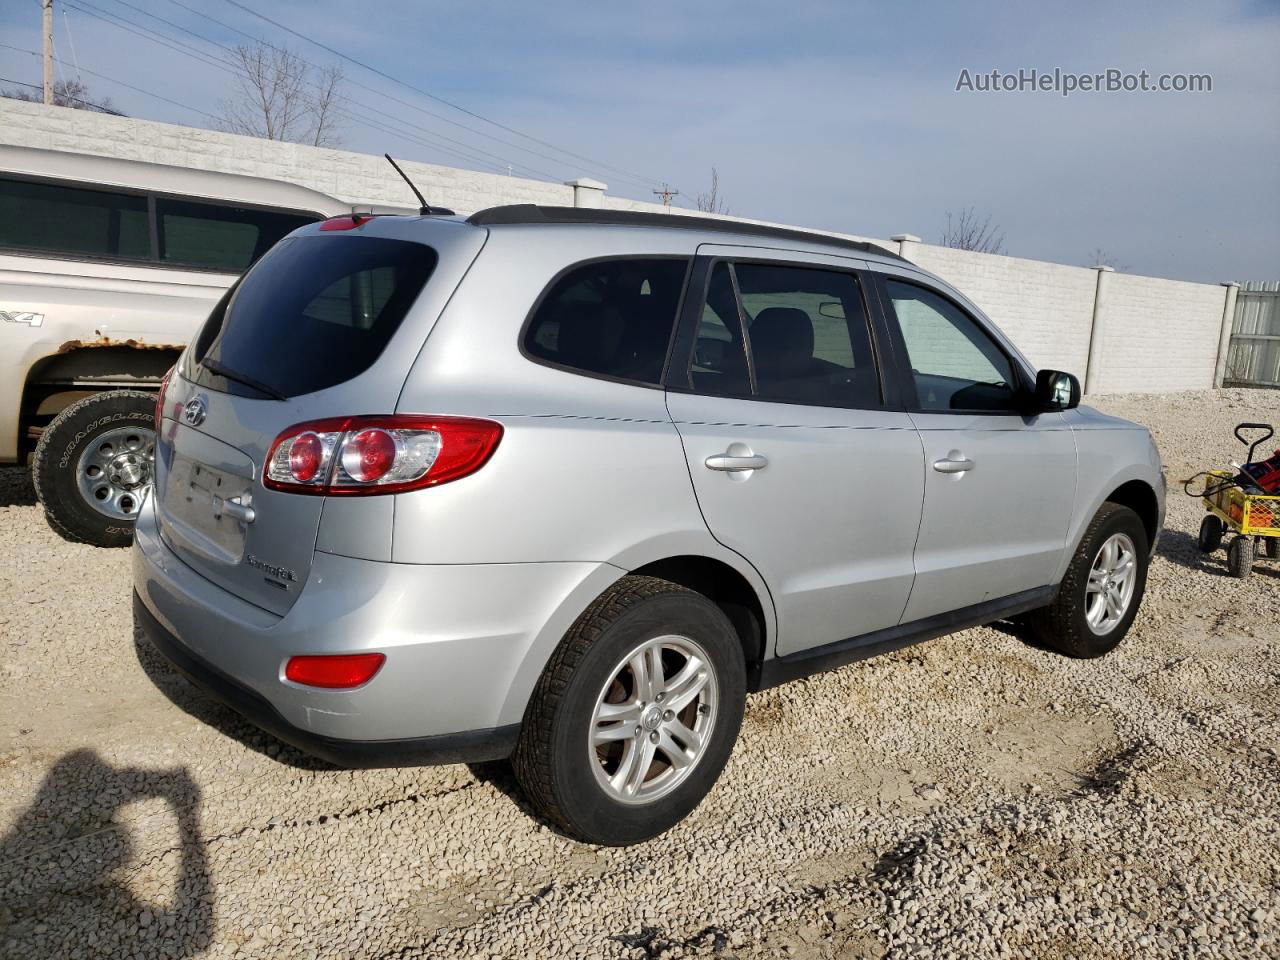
{"points": [[16, 489], [1018, 630], [194, 702], [66, 867], [499, 775], [1182, 548]]}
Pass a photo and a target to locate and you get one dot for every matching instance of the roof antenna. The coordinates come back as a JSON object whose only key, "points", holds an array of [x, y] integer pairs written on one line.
{"points": [[425, 209]]}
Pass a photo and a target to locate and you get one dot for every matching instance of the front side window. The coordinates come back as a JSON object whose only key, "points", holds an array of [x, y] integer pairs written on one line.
{"points": [[954, 362], [611, 318], [808, 336], [73, 221], [218, 237]]}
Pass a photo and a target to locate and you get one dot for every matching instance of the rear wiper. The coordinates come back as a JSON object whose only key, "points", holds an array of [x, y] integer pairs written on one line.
{"points": [[213, 366]]}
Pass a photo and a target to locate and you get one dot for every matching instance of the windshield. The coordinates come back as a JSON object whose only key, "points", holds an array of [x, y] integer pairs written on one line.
{"points": [[313, 313]]}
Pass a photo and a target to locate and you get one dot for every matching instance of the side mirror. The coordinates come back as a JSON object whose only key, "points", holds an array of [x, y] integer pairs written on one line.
{"points": [[1056, 390]]}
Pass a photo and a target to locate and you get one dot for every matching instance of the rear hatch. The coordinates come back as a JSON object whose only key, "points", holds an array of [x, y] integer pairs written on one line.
{"points": [[326, 325]]}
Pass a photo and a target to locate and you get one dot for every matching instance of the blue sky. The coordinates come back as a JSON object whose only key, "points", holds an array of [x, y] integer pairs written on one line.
{"points": [[836, 115]]}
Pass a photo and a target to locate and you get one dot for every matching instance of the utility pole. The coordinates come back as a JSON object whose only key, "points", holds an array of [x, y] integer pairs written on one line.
{"points": [[666, 193], [48, 50]]}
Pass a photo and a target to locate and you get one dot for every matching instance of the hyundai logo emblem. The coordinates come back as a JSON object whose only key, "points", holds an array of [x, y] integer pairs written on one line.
{"points": [[193, 412]]}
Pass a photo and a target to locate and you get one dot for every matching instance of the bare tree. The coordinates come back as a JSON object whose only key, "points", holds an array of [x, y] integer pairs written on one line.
{"points": [[966, 231], [280, 96], [67, 93], [1101, 257], [326, 100], [712, 201]]}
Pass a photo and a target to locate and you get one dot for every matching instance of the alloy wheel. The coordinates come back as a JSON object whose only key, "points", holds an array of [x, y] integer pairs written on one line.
{"points": [[653, 719]]}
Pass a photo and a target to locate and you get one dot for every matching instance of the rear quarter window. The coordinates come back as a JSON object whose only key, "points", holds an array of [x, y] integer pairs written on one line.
{"points": [[314, 312], [609, 318], [218, 237]]}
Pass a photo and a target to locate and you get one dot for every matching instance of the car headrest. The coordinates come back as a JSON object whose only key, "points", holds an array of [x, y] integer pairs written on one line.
{"points": [[781, 340], [590, 335]]}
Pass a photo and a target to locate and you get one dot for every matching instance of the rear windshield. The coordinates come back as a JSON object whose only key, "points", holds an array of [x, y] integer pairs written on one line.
{"points": [[313, 313]]}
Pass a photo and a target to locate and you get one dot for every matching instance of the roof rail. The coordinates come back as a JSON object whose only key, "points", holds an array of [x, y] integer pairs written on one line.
{"points": [[529, 213]]}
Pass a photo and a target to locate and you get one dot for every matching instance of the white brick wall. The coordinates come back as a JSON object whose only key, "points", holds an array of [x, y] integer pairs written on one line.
{"points": [[1157, 334], [1045, 308], [350, 177]]}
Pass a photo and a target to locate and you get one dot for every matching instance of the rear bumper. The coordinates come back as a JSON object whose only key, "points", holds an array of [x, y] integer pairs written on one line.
{"points": [[464, 646], [468, 747]]}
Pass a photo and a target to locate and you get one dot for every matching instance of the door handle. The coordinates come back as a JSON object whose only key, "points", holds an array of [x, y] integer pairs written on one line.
{"points": [[234, 509], [953, 465], [728, 463]]}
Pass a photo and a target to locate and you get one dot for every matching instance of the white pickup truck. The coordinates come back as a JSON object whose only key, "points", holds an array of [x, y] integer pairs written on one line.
{"points": [[107, 266]]}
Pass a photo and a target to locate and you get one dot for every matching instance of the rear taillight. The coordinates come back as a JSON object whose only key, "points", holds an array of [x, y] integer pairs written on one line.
{"points": [[337, 672], [164, 386], [368, 455]]}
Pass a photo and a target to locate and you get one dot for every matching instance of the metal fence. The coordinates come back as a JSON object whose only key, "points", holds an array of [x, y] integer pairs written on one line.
{"points": [[1254, 357]]}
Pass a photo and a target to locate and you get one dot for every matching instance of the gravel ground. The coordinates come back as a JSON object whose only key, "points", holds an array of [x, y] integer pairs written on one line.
{"points": [[968, 797]]}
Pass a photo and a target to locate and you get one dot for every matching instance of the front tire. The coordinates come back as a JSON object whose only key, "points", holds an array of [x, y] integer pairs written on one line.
{"points": [[635, 715], [93, 467], [1102, 590]]}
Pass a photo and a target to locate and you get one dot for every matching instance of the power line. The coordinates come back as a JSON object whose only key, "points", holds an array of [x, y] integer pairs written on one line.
{"points": [[36, 86], [127, 86], [468, 153], [645, 182], [432, 96], [129, 26]]}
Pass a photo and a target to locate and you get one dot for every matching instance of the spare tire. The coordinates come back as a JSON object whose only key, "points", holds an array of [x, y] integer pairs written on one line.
{"points": [[94, 465]]}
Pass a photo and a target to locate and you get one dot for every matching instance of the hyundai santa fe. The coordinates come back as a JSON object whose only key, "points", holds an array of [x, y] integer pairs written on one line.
{"points": [[563, 486]]}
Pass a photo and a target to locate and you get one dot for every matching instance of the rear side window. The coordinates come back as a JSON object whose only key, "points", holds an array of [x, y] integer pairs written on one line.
{"points": [[719, 366], [611, 318], [806, 332], [73, 220], [219, 237], [313, 313]]}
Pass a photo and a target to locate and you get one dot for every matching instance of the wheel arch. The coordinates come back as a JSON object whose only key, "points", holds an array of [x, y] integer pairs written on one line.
{"points": [[79, 369], [729, 590], [728, 581], [1134, 487], [1140, 497]]}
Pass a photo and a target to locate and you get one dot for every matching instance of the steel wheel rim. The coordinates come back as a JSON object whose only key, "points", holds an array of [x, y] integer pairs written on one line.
{"points": [[115, 471], [653, 719], [1112, 580]]}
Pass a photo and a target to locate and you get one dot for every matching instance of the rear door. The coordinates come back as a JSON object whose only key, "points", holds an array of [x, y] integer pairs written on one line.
{"points": [[999, 482], [324, 326], [801, 460]]}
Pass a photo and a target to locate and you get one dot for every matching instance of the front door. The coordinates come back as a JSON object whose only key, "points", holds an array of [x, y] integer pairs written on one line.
{"points": [[798, 462], [999, 483]]}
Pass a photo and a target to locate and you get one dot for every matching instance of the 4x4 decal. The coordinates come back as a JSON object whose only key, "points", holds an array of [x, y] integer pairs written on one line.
{"points": [[30, 319]]}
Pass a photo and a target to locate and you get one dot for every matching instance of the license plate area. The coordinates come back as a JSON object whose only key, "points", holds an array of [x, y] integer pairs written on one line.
{"points": [[194, 504]]}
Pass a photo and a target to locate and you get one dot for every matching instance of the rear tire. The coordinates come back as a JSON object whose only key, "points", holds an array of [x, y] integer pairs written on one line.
{"points": [[581, 761], [1271, 547], [1211, 529], [93, 466], [1074, 624], [1240, 557]]}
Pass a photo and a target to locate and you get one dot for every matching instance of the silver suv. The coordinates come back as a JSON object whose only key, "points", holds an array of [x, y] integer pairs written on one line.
{"points": [[564, 485]]}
